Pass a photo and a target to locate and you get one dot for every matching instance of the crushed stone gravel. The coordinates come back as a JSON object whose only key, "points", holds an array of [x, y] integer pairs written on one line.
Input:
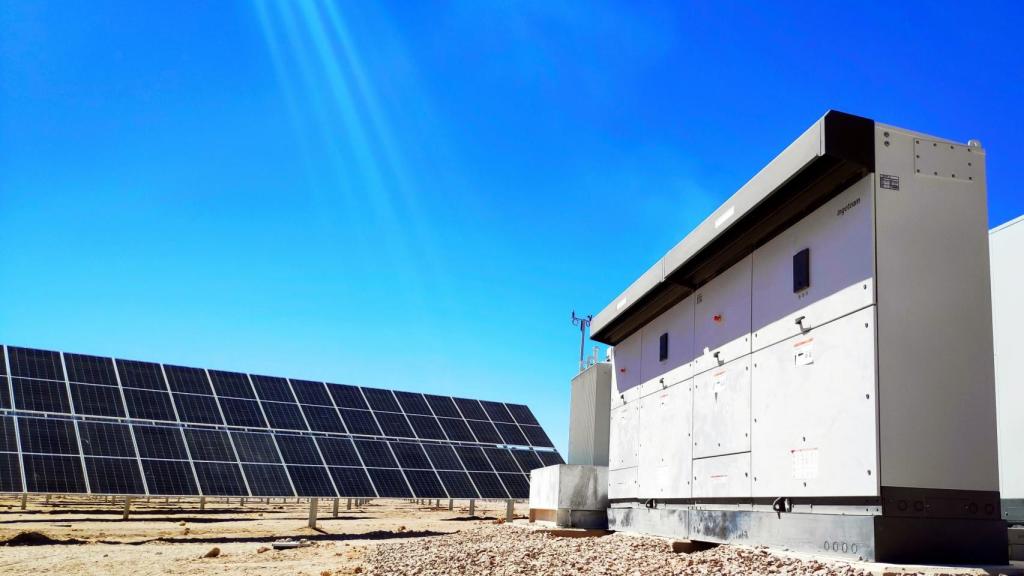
{"points": [[512, 550]]}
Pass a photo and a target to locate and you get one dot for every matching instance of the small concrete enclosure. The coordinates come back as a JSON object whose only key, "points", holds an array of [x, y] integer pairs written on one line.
{"points": [[588, 415], [811, 367]]}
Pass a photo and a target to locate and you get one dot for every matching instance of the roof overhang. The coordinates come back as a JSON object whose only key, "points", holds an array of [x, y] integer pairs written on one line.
{"points": [[836, 151]]}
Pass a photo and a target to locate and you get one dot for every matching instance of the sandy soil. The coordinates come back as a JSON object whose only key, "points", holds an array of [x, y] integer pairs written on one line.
{"points": [[382, 538], [83, 536]]}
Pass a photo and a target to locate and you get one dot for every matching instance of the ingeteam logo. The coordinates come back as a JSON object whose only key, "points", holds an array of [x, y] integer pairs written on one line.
{"points": [[849, 206]]}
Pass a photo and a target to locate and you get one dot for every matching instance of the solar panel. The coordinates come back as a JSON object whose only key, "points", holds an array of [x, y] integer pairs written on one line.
{"points": [[90, 369], [323, 419], [352, 482], [298, 449], [10, 473], [311, 481], [457, 484], [488, 485], [550, 458], [307, 392], [197, 409], [41, 395], [389, 483], [245, 413], [169, 477], [148, 405], [220, 479], [522, 414], [47, 473], [231, 384], [106, 439], [114, 476], [77, 423], [97, 400], [424, 484], [268, 480], [338, 451], [255, 447], [392, 424]]}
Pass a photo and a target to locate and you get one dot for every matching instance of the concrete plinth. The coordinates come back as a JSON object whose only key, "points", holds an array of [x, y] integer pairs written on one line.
{"points": [[570, 496]]}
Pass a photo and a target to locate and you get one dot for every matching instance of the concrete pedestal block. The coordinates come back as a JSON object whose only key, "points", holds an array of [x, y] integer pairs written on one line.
{"points": [[570, 496]]}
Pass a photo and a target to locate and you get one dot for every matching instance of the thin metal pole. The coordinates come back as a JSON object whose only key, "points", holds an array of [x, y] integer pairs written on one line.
{"points": [[24, 501], [312, 512], [335, 507], [202, 502], [451, 504], [472, 507], [510, 510], [348, 504], [127, 507]]}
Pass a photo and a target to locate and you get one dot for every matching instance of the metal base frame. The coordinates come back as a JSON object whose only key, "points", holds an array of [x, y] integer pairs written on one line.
{"points": [[855, 536]]}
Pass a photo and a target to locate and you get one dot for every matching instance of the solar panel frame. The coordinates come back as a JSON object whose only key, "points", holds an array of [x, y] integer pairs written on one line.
{"points": [[537, 436], [527, 460], [139, 428]]}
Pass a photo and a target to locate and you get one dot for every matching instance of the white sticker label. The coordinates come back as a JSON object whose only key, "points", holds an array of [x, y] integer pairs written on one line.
{"points": [[805, 463], [718, 381], [718, 479], [803, 352]]}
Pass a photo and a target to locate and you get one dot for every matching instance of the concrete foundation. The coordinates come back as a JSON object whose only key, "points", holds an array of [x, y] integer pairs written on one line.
{"points": [[570, 496]]}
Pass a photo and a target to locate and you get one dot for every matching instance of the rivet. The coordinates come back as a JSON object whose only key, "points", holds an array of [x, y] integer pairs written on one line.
{"points": [[886, 142], [886, 134]]}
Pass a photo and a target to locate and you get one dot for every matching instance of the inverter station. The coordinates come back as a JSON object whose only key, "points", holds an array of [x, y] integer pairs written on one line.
{"points": [[811, 367]]}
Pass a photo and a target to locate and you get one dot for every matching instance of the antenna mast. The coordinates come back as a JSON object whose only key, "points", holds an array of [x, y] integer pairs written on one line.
{"points": [[583, 322]]}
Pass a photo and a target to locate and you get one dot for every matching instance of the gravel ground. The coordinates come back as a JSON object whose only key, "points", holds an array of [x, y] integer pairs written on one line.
{"points": [[508, 550]]}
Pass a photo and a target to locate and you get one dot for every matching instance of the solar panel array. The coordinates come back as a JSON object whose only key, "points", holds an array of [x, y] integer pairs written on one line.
{"points": [[72, 423]]}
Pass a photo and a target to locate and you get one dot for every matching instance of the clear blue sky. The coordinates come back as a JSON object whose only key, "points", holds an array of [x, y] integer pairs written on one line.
{"points": [[415, 194]]}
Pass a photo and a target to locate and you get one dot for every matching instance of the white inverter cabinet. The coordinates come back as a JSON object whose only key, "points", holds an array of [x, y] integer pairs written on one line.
{"points": [[811, 367]]}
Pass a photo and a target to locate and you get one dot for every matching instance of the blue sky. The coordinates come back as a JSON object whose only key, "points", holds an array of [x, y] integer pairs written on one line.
{"points": [[416, 194]]}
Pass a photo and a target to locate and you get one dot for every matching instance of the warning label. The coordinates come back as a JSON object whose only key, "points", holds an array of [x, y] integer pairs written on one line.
{"points": [[889, 182]]}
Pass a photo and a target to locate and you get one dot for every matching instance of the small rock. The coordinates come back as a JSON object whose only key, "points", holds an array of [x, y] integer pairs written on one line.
{"points": [[213, 553], [262, 549]]}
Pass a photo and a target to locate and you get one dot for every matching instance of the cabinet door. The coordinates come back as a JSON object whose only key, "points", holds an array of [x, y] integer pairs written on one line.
{"points": [[722, 476], [722, 317], [819, 269], [721, 410], [667, 351], [622, 436], [664, 461], [813, 403]]}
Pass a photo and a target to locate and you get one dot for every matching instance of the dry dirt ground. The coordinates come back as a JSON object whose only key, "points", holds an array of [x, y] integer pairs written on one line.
{"points": [[384, 537]]}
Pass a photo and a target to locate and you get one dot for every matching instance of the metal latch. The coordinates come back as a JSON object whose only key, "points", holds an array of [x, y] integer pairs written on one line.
{"points": [[800, 322]]}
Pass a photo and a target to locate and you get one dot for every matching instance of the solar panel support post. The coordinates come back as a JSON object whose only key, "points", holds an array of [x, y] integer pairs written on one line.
{"points": [[510, 510], [127, 507], [472, 507], [348, 504], [451, 504], [24, 501], [202, 502], [313, 502], [242, 502], [335, 508]]}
